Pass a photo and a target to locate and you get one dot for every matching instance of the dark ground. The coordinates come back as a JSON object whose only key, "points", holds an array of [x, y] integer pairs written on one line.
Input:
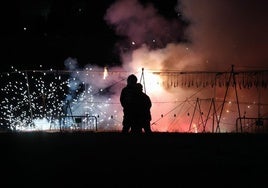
{"points": [[110, 159]]}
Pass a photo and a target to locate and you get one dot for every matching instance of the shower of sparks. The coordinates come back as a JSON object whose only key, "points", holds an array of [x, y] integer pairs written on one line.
{"points": [[45, 100], [75, 100], [30, 96]]}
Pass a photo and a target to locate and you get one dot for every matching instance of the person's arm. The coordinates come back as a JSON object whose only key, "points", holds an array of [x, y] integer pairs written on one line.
{"points": [[149, 101], [122, 97]]}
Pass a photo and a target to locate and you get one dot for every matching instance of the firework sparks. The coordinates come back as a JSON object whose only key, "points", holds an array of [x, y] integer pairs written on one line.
{"points": [[44, 100]]}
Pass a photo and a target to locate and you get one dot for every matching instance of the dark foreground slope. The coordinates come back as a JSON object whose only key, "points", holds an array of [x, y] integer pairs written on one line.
{"points": [[114, 160]]}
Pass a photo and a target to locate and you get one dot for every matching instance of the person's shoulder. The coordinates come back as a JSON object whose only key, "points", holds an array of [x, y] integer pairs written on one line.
{"points": [[145, 94]]}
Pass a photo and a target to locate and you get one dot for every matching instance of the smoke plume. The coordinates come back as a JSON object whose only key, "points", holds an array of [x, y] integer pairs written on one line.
{"points": [[220, 34], [228, 32]]}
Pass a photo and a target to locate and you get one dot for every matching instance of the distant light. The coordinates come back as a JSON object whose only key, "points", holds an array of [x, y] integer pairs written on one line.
{"points": [[105, 73], [24, 28], [133, 43]]}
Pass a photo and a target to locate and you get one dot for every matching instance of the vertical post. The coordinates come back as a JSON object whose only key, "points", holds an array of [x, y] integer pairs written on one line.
{"points": [[210, 106], [193, 115], [29, 99], [232, 76], [142, 79], [237, 102], [224, 99], [214, 114], [201, 117]]}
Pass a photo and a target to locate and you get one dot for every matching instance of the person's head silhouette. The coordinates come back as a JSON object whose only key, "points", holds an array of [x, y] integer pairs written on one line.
{"points": [[132, 79]]}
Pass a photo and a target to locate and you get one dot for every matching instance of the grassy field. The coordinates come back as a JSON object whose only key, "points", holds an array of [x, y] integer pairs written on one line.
{"points": [[111, 159]]}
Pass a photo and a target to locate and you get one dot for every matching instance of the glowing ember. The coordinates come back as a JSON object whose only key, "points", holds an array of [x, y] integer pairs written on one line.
{"points": [[105, 73]]}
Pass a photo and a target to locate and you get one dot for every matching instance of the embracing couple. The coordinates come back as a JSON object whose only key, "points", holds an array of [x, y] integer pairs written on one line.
{"points": [[136, 107]]}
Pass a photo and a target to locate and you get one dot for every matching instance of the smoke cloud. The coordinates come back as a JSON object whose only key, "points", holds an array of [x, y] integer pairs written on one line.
{"points": [[142, 24], [220, 34], [228, 32]]}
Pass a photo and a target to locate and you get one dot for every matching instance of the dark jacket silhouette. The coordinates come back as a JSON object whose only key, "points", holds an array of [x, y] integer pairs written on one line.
{"points": [[143, 107], [128, 99]]}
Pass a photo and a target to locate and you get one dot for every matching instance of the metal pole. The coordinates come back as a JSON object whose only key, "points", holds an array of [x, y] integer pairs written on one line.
{"points": [[237, 102], [228, 84], [29, 99], [142, 79]]}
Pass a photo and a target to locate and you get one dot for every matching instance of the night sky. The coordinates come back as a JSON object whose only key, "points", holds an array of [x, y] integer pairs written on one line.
{"points": [[218, 33], [42, 34]]}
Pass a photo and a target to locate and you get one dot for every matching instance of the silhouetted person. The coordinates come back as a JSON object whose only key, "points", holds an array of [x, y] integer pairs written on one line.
{"points": [[143, 113], [128, 99]]}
